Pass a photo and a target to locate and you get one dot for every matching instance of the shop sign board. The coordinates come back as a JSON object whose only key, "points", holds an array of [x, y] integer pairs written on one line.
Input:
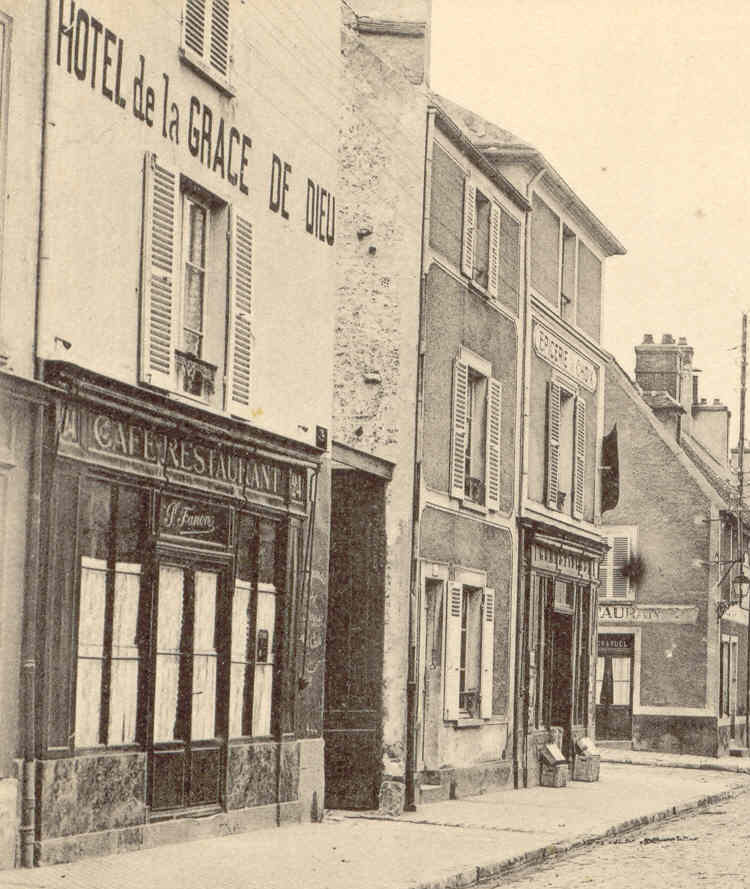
{"points": [[627, 613], [561, 356], [197, 522], [172, 456]]}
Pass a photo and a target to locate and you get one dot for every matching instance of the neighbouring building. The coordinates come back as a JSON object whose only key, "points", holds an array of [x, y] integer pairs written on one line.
{"points": [[369, 686], [672, 645], [468, 431], [168, 293]]}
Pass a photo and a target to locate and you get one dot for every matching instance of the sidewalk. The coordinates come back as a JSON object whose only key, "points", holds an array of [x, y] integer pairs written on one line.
{"points": [[442, 846], [674, 760]]}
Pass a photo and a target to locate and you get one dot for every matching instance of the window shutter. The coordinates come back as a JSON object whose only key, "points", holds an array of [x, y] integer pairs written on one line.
{"points": [[553, 443], [219, 41], [620, 555], [494, 251], [239, 348], [458, 443], [494, 421], [195, 26], [470, 210], [605, 571], [452, 650], [488, 653], [579, 474], [509, 283], [159, 273]]}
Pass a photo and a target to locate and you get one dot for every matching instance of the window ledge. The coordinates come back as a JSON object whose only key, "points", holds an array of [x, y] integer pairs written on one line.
{"points": [[196, 63], [466, 722], [473, 505]]}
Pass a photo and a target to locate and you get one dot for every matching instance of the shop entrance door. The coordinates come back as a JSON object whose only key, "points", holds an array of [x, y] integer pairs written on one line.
{"points": [[614, 688], [559, 673], [186, 752]]}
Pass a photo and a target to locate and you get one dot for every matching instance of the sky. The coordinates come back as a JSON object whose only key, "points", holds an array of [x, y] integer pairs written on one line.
{"points": [[643, 108]]}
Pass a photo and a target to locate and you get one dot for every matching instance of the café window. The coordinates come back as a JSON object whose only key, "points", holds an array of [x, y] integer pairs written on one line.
{"points": [[469, 652], [196, 292], [108, 656], [475, 444], [253, 637]]}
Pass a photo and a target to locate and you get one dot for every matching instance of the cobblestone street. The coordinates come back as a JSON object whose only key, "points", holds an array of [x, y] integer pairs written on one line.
{"points": [[707, 849]]}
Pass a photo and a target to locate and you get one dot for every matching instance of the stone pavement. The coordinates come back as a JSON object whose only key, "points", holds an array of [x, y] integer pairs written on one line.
{"points": [[442, 846], [680, 760]]}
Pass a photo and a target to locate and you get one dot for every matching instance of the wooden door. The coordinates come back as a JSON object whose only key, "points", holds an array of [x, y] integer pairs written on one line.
{"points": [[186, 750], [354, 641], [614, 689]]}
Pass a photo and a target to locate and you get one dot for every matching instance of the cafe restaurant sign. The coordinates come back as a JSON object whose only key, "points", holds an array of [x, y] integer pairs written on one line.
{"points": [[174, 457], [647, 614], [559, 354]]}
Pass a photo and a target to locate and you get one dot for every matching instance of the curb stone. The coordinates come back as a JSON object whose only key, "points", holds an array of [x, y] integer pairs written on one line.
{"points": [[482, 873]]}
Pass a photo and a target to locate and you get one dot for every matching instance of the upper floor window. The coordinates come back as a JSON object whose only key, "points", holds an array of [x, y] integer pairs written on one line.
{"points": [[196, 292], [473, 232], [475, 445], [614, 573], [564, 271], [566, 450], [206, 39]]}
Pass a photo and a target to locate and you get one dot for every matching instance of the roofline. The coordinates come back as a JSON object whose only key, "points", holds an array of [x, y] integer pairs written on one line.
{"points": [[612, 245], [454, 132]]}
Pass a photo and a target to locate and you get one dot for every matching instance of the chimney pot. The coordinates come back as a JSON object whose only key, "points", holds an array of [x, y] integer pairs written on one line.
{"points": [[667, 339], [682, 341], [648, 338], [717, 401], [704, 401]]}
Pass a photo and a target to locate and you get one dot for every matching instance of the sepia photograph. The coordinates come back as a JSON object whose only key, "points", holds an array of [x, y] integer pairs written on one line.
{"points": [[374, 497]]}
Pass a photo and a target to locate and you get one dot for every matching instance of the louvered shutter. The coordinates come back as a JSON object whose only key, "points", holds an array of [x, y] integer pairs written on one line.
{"points": [[219, 39], [470, 212], [452, 658], [553, 443], [494, 269], [458, 440], [488, 653], [620, 554], [509, 275], [159, 273], [494, 424], [239, 362], [195, 26], [605, 572], [579, 472]]}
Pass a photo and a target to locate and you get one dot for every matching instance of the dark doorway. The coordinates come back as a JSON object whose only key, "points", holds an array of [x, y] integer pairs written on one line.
{"points": [[559, 673], [614, 687], [354, 642]]}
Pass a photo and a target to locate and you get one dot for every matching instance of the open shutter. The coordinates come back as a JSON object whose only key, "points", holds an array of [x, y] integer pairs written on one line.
{"points": [[195, 26], [488, 653], [452, 650], [605, 572], [239, 348], [620, 554], [219, 38], [159, 273], [579, 473], [553, 443], [494, 420], [458, 441], [509, 274], [494, 268], [470, 210]]}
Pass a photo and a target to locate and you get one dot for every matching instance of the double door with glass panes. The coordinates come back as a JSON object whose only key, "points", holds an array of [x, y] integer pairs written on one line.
{"points": [[614, 687]]}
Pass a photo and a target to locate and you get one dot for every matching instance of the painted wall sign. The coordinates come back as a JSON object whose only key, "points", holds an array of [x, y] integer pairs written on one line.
{"points": [[173, 457], [89, 50], [645, 614], [610, 644], [557, 353], [198, 522]]}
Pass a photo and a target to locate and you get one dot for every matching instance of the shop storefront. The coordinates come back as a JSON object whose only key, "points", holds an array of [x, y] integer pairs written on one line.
{"points": [[557, 639], [175, 616]]}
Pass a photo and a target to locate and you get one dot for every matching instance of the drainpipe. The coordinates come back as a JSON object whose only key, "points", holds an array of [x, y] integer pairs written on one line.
{"points": [[520, 744], [29, 648], [28, 678], [415, 598]]}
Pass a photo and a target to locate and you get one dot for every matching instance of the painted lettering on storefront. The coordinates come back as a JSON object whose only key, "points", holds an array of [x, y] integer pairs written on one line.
{"points": [[632, 613], [557, 353]]}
